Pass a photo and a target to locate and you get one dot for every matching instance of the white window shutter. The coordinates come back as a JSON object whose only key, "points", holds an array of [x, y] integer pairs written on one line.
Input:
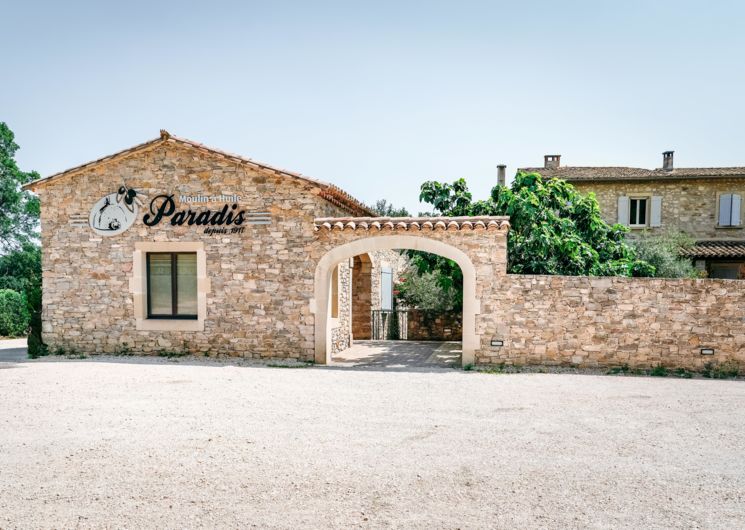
{"points": [[725, 209], [656, 217], [623, 210], [386, 289], [736, 200]]}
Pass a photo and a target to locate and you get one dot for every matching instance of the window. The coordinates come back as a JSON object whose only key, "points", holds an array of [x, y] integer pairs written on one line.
{"points": [[172, 285], [729, 271], [641, 211], [638, 211], [729, 209], [386, 289]]}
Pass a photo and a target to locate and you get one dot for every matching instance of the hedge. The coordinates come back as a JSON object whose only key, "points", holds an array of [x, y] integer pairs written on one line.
{"points": [[14, 315]]}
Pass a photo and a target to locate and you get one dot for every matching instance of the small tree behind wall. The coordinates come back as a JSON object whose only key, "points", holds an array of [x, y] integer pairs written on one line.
{"points": [[434, 287], [662, 251]]}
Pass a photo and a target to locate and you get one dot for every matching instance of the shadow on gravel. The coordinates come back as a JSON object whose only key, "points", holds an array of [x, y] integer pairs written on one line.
{"points": [[221, 362], [243, 363]]}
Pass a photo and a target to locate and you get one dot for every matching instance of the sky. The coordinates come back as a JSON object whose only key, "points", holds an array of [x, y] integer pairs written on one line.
{"points": [[378, 97]]}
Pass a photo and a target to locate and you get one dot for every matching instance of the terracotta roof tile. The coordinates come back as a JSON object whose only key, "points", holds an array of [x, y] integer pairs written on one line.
{"points": [[716, 249], [330, 192], [582, 174], [412, 223]]}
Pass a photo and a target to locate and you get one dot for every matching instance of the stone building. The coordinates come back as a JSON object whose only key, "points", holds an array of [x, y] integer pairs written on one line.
{"points": [[705, 203], [174, 246]]}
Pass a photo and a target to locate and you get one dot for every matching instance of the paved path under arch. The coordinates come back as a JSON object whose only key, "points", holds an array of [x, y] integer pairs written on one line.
{"points": [[399, 354]]}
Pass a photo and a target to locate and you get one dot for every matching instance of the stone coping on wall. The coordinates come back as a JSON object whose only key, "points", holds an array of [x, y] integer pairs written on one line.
{"points": [[413, 223]]}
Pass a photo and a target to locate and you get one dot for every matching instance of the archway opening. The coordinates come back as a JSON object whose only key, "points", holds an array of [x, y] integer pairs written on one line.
{"points": [[379, 303], [406, 311]]}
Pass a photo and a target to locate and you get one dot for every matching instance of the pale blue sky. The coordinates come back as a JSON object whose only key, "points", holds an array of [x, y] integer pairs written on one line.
{"points": [[377, 97]]}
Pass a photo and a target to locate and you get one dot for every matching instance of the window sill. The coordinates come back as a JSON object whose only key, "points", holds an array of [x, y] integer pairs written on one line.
{"points": [[161, 324], [720, 227], [172, 317], [640, 227]]}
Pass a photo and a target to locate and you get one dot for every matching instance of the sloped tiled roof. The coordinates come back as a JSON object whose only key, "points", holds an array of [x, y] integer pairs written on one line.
{"points": [[582, 174], [412, 223], [716, 249], [330, 192]]}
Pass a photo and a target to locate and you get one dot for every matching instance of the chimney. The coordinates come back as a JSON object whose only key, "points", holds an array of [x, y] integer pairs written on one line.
{"points": [[501, 175], [667, 160], [551, 161]]}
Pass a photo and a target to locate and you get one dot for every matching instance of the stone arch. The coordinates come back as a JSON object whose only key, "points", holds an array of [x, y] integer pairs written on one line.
{"points": [[333, 257]]}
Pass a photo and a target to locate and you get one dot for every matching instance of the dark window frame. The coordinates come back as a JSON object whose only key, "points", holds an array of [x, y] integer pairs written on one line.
{"points": [[640, 212], [174, 287]]}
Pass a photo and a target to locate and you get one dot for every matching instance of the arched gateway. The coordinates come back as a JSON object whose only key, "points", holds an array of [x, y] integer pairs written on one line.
{"points": [[477, 244]]}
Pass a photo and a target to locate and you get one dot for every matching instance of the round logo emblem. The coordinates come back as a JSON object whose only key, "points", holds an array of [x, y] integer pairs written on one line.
{"points": [[114, 213]]}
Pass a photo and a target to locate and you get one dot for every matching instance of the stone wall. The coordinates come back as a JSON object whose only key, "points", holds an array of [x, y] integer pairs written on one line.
{"points": [[602, 322], [261, 281], [687, 205], [394, 259], [433, 325], [341, 338], [366, 286], [361, 298]]}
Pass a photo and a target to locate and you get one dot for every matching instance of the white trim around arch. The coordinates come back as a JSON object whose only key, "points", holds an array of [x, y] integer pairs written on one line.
{"points": [[324, 269]]}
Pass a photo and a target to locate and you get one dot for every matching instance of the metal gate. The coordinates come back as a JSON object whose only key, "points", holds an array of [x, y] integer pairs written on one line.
{"points": [[389, 324]]}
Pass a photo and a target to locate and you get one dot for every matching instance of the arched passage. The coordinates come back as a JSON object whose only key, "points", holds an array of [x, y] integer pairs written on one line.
{"points": [[361, 303], [333, 257]]}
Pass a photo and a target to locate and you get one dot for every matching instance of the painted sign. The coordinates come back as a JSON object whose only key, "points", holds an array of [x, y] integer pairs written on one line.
{"points": [[115, 212], [226, 220]]}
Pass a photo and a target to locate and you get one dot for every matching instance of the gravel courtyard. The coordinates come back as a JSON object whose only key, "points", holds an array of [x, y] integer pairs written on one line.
{"points": [[155, 443]]}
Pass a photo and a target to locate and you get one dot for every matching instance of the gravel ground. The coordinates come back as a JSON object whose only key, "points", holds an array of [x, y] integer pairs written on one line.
{"points": [[191, 443]]}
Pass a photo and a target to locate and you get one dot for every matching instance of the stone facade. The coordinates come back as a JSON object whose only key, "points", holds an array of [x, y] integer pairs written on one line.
{"points": [[366, 286], [687, 205], [678, 200], [362, 297], [395, 260], [261, 281]]}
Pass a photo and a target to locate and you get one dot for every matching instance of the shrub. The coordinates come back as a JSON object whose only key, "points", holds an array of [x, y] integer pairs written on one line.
{"points": [[36, 346], [14, 315], [659, 371], [724, 370], [662, 251]]}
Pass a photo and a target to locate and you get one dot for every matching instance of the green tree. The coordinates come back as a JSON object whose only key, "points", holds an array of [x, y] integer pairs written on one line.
{"points": [[19, 210], [555, 229], [383, 208], [14, 314], [20, 270], [431, 282]]}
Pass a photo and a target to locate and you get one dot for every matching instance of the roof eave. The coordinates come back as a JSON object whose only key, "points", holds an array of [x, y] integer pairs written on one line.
{"points": [[330, 192]]}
